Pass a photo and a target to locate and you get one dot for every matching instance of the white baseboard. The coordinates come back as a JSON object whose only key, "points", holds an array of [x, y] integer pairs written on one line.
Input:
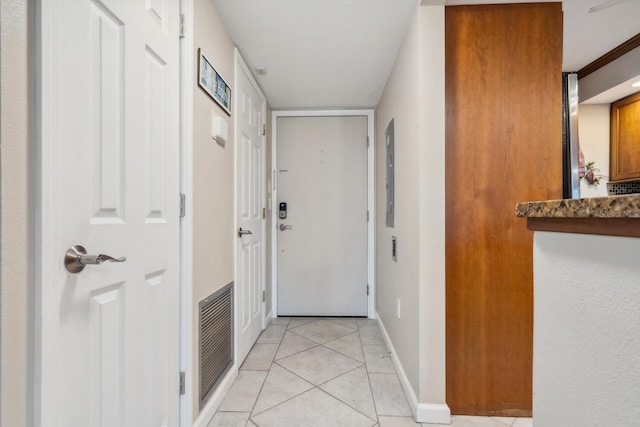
{"points": [[267, 320], [436, 413], [433, 413], [402, 376], [215, 400]]}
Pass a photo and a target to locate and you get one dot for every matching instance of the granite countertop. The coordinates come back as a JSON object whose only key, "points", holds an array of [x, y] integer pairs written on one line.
{"points": [[627, 206]]}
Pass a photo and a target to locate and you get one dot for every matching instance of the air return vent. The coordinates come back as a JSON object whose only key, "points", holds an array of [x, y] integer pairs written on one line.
{"points": [[216, 339]]}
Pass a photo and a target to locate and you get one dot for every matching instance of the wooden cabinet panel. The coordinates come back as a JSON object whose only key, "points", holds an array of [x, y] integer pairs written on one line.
{"points": [[625, 138], [503, 145]]}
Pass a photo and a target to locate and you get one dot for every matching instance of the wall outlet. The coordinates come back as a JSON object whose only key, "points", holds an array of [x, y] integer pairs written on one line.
{"points": [[398, 308]]}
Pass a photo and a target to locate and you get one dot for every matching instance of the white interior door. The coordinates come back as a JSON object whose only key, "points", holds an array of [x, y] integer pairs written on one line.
{"points": [[250, 209], [322, 244], [110, 333]]}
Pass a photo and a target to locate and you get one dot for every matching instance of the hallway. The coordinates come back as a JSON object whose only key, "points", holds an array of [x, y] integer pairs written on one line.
{"points": [[324, 372]]}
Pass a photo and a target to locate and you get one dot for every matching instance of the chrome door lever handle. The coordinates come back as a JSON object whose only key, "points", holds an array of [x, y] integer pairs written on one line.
{"points": [[76, 259], [242, 232], [285, 227], [99, 259]]}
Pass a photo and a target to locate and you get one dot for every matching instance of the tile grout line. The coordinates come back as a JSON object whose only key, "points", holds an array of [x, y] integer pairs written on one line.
{"points": [[293, 373], [375, 406], [361, 364], [268, 371], [345, 403], [297, 352]]}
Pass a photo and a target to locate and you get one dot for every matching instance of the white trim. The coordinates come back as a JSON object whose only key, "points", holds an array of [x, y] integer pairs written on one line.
{"points": [[45, 215], [187, 87], [274, 213], [371, 206], [433, 413], [437, 413], [206, 414], [371, 250], [402, 375], [234, 109]]}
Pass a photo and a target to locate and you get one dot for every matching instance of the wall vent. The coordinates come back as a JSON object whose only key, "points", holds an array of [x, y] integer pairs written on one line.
{"points": [[216, 340], [620, 188]]}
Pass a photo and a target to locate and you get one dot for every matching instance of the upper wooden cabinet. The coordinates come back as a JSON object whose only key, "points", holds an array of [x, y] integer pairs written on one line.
{"points": [[625, 138]]}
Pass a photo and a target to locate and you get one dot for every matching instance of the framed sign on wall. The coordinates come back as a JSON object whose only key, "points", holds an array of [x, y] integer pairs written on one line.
{"points": [[212, 83]]}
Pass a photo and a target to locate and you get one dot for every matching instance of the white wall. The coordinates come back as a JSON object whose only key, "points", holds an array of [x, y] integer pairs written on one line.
{"points": [[16, 233], [593, 129], [414, 97], [586, 330], [399, 280], [213, 175]]}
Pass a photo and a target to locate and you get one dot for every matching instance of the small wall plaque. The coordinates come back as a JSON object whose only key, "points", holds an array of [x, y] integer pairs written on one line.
{"points": [[212, 83]]}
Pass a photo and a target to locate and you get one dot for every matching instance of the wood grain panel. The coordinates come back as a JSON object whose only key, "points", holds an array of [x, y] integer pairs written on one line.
{"points": [[625, 138], [503, 145]]}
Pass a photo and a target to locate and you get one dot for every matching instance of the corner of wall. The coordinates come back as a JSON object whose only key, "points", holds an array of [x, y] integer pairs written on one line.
{"points": [[432, 345]]}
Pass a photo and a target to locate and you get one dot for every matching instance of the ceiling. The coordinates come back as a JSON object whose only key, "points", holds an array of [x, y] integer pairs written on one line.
{"points": [[339, 53]]}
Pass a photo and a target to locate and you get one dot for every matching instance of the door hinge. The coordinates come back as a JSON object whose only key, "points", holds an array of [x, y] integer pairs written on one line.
{"points": [[181, 26], [367, 289], [264, 213], [264, 296], [182, 386], [367, 216], [182, 205], [367, 141], [264, 129]]}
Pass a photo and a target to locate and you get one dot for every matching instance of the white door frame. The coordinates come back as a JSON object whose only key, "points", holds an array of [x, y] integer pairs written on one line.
{"points": [[240, 64], [187, 87], [46, 214], [369, 114]]}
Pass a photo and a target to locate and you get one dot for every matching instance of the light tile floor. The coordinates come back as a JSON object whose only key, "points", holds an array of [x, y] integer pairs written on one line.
{"points": [[324, 372]]}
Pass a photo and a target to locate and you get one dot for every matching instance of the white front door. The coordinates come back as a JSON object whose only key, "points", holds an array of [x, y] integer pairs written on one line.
{"points": [[250, 209], [322, 242], [110, 132]]}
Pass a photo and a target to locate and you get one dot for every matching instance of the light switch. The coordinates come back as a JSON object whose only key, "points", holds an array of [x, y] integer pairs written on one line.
{"points": [[219, 128]]}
